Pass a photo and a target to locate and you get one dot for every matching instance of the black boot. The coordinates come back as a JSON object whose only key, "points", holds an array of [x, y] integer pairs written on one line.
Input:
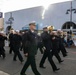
{"points": [[56, 69]]}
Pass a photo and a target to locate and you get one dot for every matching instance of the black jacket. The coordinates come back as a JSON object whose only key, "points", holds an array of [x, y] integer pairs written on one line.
{"points": [[40, 43], [2, 40], [47, 40], [11, 38], [16, 40], [55, 42], [30, 42]]}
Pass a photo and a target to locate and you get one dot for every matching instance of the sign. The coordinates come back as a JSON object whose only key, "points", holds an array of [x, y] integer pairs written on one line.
{"points": [[1, 14], [1, 23], [25, 28]]}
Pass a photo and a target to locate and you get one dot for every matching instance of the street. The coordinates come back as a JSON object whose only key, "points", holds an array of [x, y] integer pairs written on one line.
{"points": [[10, 67]]}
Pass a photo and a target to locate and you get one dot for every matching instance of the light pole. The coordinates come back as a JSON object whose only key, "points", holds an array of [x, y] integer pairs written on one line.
{"points": [[67, 12], [10, 22], [11, 19]]}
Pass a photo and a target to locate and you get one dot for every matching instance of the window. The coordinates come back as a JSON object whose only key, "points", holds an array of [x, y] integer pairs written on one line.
{"points": [[67, 25]]}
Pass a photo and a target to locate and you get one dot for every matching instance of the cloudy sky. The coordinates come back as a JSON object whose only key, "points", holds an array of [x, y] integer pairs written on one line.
{"points": [[11, 5]]}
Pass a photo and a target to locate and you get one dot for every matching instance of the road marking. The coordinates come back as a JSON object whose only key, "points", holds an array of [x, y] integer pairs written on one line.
{"points": [[70, 58], [74, 52], [3, 73]]}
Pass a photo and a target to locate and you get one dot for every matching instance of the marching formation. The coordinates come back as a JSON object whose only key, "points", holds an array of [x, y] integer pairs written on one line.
{"points": [[50, 43]]}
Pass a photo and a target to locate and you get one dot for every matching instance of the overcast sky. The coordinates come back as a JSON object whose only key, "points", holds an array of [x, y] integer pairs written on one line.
{"points": [[12, 5]]}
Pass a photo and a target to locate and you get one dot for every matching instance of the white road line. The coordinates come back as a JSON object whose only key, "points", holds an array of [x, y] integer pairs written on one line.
{"points": [[70, 58], [3, 73]]}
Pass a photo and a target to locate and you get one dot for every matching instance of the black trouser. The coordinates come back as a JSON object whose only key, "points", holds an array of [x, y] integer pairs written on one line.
{"points": [[21, 47], [40, 46], [17, 53], [30, 61], [63, 50], [49, 55], [11, 48], [2, 51], [55, 53]]}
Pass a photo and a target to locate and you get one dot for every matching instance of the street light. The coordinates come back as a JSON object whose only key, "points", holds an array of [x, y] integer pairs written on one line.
{"points": [[10, 20], [71, 10], [67, 12]]}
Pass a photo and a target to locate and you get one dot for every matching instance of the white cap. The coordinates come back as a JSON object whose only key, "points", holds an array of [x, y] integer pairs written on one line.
{"points": [[59, 30], [32, 22], [2, 32], [39, 34], [17, 30]]}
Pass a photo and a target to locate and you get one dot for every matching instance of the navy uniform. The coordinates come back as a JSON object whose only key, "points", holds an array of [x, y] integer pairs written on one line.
{"points": [[61, 47], [40, 44], [30, 48], [16, 46], [48, 52], [11, 43], [2, 44], [55, 47], [61, 43]]}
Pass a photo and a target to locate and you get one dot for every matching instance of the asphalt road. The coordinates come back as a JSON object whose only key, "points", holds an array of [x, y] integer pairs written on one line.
{"points": [[10, 67]]}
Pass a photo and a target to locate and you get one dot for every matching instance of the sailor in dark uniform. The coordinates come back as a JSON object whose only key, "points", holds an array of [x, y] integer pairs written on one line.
{"points": [[55, 46], [17, 39], [46, 37], [30, 50], [61, 43], [2, 44], [11, 41]]}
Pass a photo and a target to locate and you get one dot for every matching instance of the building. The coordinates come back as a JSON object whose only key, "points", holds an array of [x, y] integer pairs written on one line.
{"points": [[55, 15]]}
